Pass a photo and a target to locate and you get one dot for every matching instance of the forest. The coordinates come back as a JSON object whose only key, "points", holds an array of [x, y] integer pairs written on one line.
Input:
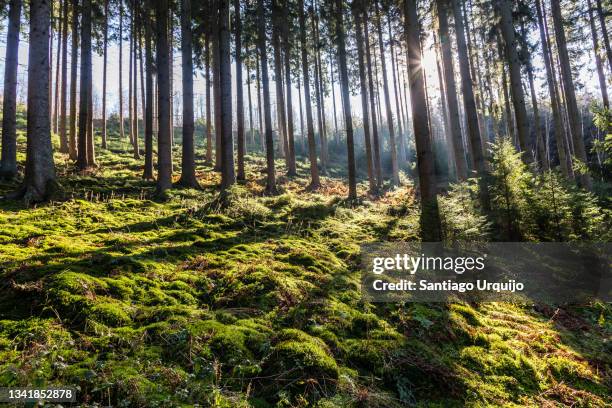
{"points": [[186, 187]]}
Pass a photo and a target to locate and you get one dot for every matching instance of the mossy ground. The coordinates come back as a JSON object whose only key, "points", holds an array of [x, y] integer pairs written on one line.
{"points": [[141, 302]]}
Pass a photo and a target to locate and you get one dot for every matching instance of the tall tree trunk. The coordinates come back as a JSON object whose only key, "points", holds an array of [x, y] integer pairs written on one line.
{"points": [[375, 136], [333, 88], [56, 107], [188, 177], [84, 111], [312, 149], [401, 154], [239, 93], [216, 90], [104, 69], [570, 93], [540, 136], [344, 86], [259, 104], [299, 87], [134, 123], [91, 153], [554, 99], [319, 93], [228, 176], [209, 159], [278, 74], [74, 59], [430, 217], [504, 7], [164, 145], [39, 180], [130, 82], [63, 99], [358, 11], [451, 91], [445, 115], [291, 168], [121, 129], [598, 63], [50, 89], [604, 32], [250, 99], [8, 164], [148, 119], [390, 121]]}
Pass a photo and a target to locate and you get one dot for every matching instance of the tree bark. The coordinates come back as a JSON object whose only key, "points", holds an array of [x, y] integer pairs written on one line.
{"points": [[39, 180], [209, 159], [430, 217], [239, 93], [278, 74], [84, 111], [319, 94], [228, 176], [598, 63], [570, 93], [188, 177], [504, 7], [64, 145], [604, 32], [148, 136], [104, 69], [56, 107], [401, 154], [312, 149], [72, 146], [451, 91], [121, 129], [8, 164], [291, 168], [164, 145]]}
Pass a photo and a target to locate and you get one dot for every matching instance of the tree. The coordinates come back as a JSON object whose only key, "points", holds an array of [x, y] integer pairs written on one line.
{"points": [[84, 108], [570, 93], [164, 144], [312, 152], [504, 8], [291, 170], [74, 57], [8, 163], [598, 62], [64, 144], [604, 32], [188, 177], [278, 73], [39, 181], [104, 69], [239, 92], [430, 216], [228, 176], [148, 133], [451, 91]]}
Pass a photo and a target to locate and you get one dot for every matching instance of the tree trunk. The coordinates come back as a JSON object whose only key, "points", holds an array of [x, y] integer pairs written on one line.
{"points": [[228, 176], [312, 149], [91, 153], [121, 129], [164, 145], [278, 74], [604, 32], [104, 68], [375, 137], [209, 159], [72, 146], [333, 88], [134, 116], [259, 105], [56, 107], [188, 177], [319, 94], [239, 93], [291, 168], [8, 165], [554, 100], [357, 16], [401, 154], [540, 136], [84, 111], [216, 90], [39, 180], [430, 217], [64, 148], [451, 91], [504, 8], [598, 63], [148, 136], [250, 99], [344, 86], [570, 93]]}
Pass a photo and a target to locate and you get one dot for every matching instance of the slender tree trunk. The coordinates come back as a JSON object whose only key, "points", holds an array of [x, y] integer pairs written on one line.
{"points": [[504, 8], [312, 149], [302, 134], [84, 112], [259, 105], [39, 179], [291, 168], [344, 87], [104, 69], [278, 73], [540, 136], [319, 93], [445, 114], [164, 145], [598, 63], [451, 91], [333, 88], [239, 92], [188, 177], [130, 81], [56, 107], [121, 129], [72, 146], [91, 153], [134, 123], [228, 176], [216, 91], [8, 164], [604, 32], [50, 89], [357, 16], [250, 99], [401, 155], [375, 136], [570, 93], [64, 148], [430, 217], [148, 119], [209, 159]]}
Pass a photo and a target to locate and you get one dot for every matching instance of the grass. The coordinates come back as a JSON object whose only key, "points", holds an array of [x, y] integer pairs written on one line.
{"points": [[166, 303]]}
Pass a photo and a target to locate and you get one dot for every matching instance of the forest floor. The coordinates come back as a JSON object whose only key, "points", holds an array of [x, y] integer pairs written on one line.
{"points": [[141, 302]]}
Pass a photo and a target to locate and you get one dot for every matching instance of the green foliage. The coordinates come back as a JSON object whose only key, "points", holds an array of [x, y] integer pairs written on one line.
{"points": [[461, 219]]}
